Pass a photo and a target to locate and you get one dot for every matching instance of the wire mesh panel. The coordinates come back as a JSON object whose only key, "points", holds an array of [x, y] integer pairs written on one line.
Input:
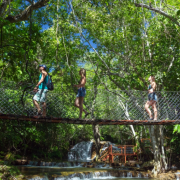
{"points": [[112, 105], [129, 150]]}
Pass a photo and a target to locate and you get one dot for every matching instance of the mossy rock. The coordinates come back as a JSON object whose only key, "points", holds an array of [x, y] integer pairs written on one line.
{"points": [[148, 164]]}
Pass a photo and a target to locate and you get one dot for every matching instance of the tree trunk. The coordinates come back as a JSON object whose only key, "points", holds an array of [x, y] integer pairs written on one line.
{"points": [[162, 147], [97, 140], [156, 134], [157, 164]]}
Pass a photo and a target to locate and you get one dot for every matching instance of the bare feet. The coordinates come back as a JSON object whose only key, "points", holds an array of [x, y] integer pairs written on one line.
{"points": [[39, 112]]}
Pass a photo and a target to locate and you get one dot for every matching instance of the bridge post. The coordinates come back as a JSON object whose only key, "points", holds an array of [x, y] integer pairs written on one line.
{"points": [[97, 139], [125, 156], [111, 154]]}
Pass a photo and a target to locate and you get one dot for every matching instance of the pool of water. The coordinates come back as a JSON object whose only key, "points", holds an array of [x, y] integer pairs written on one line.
{"points": [[78, 173]]}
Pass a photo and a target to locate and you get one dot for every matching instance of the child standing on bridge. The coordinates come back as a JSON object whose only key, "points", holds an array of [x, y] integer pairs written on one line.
{"points": [[152, 98], [81, 93]]}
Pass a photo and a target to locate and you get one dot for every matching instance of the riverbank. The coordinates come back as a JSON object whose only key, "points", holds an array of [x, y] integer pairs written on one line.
{"points": [[68, 170], [9, 172]]}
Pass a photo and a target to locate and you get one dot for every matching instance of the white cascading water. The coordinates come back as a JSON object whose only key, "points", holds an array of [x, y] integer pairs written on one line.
{"points": [[139, 175], [39, 178], [102, 175], [123, 175], [78, 176], [177, 176], [137, 165], [129, 174], [81, 152]]}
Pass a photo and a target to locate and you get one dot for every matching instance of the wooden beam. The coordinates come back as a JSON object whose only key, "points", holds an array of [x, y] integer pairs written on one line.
{"points": [[86, 121]]}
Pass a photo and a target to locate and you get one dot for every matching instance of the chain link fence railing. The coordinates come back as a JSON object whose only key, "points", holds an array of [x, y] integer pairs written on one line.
{"points": [[102, 104]]}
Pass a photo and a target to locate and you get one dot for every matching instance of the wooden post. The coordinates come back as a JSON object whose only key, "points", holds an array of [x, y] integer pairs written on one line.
{"points": [[111, 154], [97, 140], [125, 153]]}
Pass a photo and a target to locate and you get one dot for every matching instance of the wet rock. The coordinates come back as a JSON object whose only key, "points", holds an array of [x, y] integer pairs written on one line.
{"points": [[119, 164], [148, 164], [20, 162], [39, 163], [104, 165], [173, 167], [94, 164], [90, 166], [115, 173], [131, 163], [166, 176], [84, 165]]}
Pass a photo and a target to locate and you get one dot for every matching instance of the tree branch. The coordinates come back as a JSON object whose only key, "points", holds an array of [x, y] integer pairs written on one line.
{"points": [[159, 12], [3, 6], [24, 15], [17, 10]]}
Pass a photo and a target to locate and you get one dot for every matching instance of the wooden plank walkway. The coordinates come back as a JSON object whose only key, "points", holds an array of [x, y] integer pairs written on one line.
{"points": [[87, 121]]}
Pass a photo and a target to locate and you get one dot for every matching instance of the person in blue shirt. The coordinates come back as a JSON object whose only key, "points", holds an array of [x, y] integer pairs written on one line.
{"points": [[152, 98], [41, 90]]}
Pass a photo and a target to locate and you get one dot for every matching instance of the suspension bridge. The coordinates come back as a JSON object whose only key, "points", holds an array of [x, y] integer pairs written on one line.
{"points": [[113, 107]]}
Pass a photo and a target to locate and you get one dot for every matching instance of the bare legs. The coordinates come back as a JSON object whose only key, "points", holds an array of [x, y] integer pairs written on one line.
{"points": [[79, 104], [37, 105], [155, 110], [153, 104], [39, 109]]}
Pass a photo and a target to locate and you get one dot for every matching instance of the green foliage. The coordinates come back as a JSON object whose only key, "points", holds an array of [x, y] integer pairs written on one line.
{"points": [[132, 43], [176, 128], [9, 157]]}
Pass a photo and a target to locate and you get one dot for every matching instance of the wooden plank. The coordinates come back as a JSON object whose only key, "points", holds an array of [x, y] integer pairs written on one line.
{"points": [[86, 121]]}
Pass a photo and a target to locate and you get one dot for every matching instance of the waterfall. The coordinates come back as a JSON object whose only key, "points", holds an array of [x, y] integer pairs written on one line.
{"points": [[53, 164], [89, 176], [101, 174], [47, 164], [139, 175], [137, 165], [129, 174], [39, 178], [123, 175], [177, 176], [82, 176], [81, 152], [58, 164], [43, 164]]}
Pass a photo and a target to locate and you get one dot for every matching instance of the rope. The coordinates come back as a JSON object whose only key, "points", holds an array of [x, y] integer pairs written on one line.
{"points": [[27, 60], [103, 104]]}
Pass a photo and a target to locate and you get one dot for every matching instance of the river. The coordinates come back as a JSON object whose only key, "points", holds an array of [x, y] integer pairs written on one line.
{"points": [[78, 173]]}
